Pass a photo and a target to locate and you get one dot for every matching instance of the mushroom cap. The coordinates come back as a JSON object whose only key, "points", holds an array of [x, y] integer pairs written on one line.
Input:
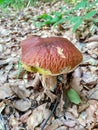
{"points": [[53, 55]]}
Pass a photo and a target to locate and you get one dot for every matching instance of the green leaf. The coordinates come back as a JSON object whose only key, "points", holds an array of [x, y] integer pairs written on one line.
{"points": [[63, 8], [73, 96], [77, 24], [82, 4], [94, 3], [44, 16], [74, 1], [54, 20], [61, 21], [1, 1], [74, 19], [47, 22], [39, 24], [90, 14], [58, 14]]}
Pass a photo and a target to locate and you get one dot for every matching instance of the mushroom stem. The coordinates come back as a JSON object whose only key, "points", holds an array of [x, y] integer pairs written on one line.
{"points": [[49, 83]]}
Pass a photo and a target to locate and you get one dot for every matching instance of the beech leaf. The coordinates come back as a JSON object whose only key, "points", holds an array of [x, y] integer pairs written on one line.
{"points": [[73, 96]]}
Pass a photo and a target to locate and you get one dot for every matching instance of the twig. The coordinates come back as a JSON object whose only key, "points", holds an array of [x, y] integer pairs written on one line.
{"points": [[55, 105]]}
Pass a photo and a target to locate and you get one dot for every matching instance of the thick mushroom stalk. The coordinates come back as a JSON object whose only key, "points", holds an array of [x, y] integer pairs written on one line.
{"points": [[50, 57], [49, 83]]}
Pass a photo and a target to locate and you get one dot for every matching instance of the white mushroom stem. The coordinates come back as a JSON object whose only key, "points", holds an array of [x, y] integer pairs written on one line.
{"points": [[49, 83]]}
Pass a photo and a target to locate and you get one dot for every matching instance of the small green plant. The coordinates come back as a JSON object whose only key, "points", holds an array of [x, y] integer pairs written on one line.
{"points": [[73, 1], [17, 4], [71, 15], [20, 68], [53, 19], [20, 4]]}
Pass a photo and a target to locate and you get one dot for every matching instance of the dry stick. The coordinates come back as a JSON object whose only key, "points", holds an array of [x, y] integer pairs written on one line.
{"points": [[55, 105]]}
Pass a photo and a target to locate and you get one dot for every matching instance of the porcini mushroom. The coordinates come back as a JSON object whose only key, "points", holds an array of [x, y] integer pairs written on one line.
{"points": [[51, 56]]}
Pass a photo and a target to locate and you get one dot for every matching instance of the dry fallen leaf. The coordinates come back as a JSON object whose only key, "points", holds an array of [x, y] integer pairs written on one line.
{"points": [[25, 116], [55, 124], [69, 122], [69, 116], [38, 116], [91, 61], [93, 94], [82, 119], [5, 62], [73, 110], [89, 75], [1, 48], [13, 122], [2, 123], [5, 91], [20, 91], [2, 106], [93, 107], [92, 39], [22, 104], [83, 106], [75, 81], [88, 117], [92, 45], [62, 128]]}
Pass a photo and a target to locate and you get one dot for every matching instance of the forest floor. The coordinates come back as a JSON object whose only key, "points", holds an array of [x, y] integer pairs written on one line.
{"points": [[22, 104]]}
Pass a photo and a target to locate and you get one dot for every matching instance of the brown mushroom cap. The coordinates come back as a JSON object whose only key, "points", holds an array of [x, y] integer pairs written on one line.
{"points": [[54, 54]]}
